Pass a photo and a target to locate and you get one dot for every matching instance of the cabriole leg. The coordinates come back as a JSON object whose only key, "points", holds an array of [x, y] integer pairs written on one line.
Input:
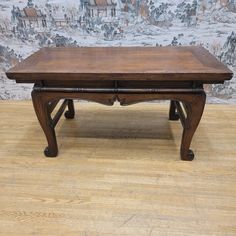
{"points": [[40, 102], [194, 110], [70, 113], [172, 111]]}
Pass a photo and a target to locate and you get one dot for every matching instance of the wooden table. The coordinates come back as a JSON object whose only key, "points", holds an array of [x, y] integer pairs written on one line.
{"points": [[126, 74]]}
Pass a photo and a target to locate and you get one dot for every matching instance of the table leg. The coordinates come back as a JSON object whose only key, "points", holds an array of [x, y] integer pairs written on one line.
{"points": [[194, 110], [44, 103], [41, 103], [194, 105], [70, 114], [173, 115]]}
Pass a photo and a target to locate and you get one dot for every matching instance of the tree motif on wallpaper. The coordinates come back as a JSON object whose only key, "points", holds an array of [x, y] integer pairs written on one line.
{"points": [[25, 26]]}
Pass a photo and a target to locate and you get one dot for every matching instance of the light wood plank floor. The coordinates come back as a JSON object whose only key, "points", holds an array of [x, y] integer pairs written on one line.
{"points": [[118, 173]]}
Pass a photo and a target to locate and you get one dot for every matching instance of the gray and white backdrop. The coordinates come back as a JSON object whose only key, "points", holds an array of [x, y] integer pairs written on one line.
{"points": [[26, 26]]}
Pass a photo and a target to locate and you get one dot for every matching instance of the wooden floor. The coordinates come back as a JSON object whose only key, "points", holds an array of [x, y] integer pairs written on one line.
{"points": [[118, 173]]}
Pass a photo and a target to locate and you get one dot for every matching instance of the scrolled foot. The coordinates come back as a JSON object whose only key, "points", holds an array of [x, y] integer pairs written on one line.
{"points": [[69, 115], [50, 153], [189, 156]]}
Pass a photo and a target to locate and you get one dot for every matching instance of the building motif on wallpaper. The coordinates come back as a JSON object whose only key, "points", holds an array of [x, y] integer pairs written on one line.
{"points": [[30, 17], [26, 26], [101, 8]]}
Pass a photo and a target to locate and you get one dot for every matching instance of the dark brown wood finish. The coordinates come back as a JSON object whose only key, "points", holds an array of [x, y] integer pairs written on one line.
{"points": [[127, 75]]}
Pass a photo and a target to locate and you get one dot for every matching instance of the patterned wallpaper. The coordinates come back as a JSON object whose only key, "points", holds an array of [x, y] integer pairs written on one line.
{"points": [[26, 26]]}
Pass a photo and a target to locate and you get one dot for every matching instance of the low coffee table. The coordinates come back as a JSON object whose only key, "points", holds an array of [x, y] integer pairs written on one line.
{"points": [[125, 74]]}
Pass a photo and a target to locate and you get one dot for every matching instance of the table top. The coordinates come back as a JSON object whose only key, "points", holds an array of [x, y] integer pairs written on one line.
{"points": [[121, 63]]}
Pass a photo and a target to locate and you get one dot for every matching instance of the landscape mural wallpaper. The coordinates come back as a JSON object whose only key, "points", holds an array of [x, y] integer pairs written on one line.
{"points": [[26, 26]]}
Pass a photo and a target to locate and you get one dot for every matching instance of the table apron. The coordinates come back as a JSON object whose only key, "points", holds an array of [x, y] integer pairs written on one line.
{"points": [[117, 90]]}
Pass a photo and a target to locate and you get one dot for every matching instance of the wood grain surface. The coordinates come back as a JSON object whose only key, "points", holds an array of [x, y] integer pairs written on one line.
{"points": [[117, 175], [121, 63]]}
